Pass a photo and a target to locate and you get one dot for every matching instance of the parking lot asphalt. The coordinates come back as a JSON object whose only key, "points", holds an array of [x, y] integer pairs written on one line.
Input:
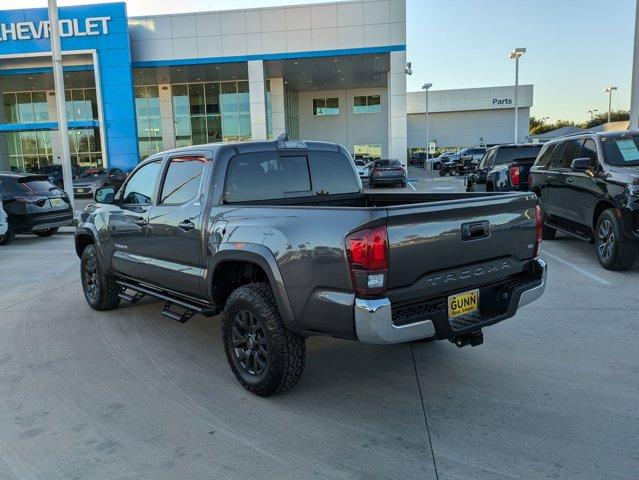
{"points": [[552, 393]]}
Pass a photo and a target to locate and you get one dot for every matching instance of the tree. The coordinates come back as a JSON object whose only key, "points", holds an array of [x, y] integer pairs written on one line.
{"points": [[537, 126], [615, 116]]}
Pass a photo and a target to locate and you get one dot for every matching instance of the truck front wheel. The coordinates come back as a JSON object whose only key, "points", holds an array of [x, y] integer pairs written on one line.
{"points": [[266, 358], [100, 289]]}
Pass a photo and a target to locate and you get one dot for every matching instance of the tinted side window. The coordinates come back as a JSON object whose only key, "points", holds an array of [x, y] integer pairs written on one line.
{"points": [[589, 150], [266, 176], [182, 180], [569, 153], [140, 187], [543, 160], [332, 173]]}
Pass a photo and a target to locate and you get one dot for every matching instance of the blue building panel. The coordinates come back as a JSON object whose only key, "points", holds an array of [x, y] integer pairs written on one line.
{"points": [[114, 60]]}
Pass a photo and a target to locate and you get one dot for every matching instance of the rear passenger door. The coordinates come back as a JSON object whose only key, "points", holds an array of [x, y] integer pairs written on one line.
{"points": [[555, 192], [582, 189], [175, 246]]}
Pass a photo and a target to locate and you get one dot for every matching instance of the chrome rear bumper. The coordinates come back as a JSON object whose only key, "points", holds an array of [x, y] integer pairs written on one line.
{"points": [[374, 318]]}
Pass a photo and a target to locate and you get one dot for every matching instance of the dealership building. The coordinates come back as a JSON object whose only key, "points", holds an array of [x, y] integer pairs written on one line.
{"points": [[138, 85], [469, 116]]}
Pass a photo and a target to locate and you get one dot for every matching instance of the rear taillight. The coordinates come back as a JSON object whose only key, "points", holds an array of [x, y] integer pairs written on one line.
{"points": [[367, 253], [40, 201], [515, 175], [539, 227]]}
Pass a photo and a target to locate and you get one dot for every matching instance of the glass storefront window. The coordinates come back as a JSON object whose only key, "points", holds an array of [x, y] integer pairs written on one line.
{"points": [[212, 98], [40, 107], [196, 99], [228, 98], [25, 108], [29, 150], [147, 109], [10, 108], [211, 112]]}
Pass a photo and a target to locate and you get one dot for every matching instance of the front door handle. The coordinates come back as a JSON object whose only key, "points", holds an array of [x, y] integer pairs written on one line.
{"points": [[569, 179], [186, 225], [141, 222]]}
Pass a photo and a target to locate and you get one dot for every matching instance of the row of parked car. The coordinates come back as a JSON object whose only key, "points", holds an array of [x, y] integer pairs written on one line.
{"points": [[36, 202], [588, 185]]}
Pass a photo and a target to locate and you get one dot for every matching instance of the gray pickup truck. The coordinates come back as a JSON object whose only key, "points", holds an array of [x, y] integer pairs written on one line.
{"points": [[281, 238]]}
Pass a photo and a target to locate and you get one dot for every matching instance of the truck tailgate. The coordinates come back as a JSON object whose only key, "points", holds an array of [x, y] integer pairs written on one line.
{"points": [[446, 246]]}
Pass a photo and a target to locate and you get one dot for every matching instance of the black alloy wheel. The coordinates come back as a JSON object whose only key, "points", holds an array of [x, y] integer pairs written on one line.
{"points": [[249, 343], [614, 250], [91, 279]]}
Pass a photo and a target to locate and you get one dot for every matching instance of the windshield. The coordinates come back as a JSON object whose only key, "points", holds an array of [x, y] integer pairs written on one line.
{"points": [[621, 152], [510, 154], [93, 173]]}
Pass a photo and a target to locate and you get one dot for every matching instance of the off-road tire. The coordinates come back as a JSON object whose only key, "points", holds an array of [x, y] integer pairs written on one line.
{"points": [[623, 251], [7, 237], [286, 350], [548, 233], [105, 296], [46, 233]]}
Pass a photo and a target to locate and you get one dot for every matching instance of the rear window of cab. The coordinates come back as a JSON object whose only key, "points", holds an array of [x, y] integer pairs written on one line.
{"points": [[270, 176]]}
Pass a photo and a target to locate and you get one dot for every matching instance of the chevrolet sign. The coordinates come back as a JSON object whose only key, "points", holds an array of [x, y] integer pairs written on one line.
{"points": [[68, 28]]}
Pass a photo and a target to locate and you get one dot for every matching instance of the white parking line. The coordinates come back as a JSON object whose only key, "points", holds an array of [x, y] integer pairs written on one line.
{"points": [[592, 276], [411, 186]]}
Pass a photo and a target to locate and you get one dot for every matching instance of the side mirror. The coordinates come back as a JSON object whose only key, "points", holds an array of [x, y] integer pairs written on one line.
{"points": [[581, 165], [104, 195]]}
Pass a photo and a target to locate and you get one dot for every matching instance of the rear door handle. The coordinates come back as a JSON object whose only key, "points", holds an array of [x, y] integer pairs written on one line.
{"points": [[141, 222], [569, 179], [186, 225]]}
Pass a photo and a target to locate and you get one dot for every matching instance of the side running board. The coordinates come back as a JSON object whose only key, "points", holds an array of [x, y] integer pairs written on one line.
{"points": [[186, 309]]}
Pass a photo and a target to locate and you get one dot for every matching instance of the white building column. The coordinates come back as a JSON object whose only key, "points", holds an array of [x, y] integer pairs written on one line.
{"points": [[55, 134], [278, 110], [397, 121], [167, 120], [257, 95]]}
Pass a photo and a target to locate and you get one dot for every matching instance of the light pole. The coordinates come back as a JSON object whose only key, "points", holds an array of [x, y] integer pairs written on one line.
{"points": [[609, 91], [58, 82], [425, 87], [516, 54], [592, 113]]}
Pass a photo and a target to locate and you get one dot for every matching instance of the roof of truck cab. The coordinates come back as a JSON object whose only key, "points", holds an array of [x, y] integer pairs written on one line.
{"points": [[247, 147]]}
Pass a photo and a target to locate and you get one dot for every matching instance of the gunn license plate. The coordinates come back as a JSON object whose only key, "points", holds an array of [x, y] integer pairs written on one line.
{"points": [[463, 303], [56, 202]]}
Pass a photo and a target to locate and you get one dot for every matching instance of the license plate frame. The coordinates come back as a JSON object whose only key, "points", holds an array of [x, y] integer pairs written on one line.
{"points": [[463, 303], [56, 202]]}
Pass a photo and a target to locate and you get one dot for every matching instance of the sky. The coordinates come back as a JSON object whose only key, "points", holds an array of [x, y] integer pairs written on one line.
{"points": [[575, 48]]}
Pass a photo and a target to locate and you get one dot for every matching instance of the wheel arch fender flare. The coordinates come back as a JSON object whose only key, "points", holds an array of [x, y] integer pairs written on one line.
{"points": [[81, 239], [263, 257]]}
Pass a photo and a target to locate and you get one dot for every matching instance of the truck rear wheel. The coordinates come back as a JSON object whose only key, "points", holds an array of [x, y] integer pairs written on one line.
{"points": [[266, 358], [614, 250], [100, 289]]}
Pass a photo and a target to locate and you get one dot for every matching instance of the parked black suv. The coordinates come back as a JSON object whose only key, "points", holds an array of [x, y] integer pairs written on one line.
{"points": [[32, 204], [589, 188]]}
